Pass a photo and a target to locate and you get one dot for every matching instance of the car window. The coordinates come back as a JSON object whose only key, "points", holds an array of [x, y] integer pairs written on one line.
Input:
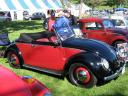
{"points": [[65, 33], [119, 23], [2, 13], [92, 26], [108, 23]]}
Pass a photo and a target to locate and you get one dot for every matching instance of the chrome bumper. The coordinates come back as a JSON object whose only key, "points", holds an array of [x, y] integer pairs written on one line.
{"points": [[115, 74]]}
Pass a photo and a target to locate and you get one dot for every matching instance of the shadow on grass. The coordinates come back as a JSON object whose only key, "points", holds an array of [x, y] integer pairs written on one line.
{"points": [[115, 94], [19, 25]]}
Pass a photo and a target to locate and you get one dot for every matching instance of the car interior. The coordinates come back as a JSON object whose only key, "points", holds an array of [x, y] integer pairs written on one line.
{"points": [[37, 38]]}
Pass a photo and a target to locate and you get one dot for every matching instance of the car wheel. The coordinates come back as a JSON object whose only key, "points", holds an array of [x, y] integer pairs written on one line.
{"points": [[13, 59], [117, 42], [81, 76]]}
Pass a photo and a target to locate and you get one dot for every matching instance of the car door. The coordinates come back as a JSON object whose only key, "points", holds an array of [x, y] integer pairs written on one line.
{"points": [[95, 30], [44, 55]]}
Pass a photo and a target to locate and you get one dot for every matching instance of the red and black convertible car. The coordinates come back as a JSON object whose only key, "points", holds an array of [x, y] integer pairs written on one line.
{"points": [[85, 62]]}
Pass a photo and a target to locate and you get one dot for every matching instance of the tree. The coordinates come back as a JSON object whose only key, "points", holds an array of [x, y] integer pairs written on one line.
{"points": [[116, 2], [92, 3]]}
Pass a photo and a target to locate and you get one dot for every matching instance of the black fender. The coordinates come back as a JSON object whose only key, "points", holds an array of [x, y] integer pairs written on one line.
{"points": [[14, 48], [91, 60]]}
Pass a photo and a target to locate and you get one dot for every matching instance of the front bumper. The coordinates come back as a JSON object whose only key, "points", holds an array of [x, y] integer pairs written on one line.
{"points": [[116, 74]]}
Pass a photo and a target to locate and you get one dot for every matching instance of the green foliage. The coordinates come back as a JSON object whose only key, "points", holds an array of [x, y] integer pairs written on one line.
{"points": [[95, 3], [116, 2]]}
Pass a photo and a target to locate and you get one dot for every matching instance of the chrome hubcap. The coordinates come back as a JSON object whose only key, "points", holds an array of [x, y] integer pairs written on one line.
{"points": [[13, 59], [81, 76]]}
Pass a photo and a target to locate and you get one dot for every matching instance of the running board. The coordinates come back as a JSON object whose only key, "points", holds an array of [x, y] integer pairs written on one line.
{"points": [[51, 72]]}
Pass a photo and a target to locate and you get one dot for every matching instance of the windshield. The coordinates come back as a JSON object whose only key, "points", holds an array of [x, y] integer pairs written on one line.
{"points": [[64, 30], [108, 24], [64, 33]]}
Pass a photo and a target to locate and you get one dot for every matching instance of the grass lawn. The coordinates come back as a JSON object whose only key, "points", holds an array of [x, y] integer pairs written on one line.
{"points": [[59, 87]]}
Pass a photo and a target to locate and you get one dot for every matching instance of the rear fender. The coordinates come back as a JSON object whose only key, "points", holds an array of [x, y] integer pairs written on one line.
{"points": [[14, 48], [118, 38]]}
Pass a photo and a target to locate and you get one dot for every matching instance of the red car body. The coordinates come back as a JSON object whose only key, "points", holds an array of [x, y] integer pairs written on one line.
{"points": [[13, 85], [101, 31]]}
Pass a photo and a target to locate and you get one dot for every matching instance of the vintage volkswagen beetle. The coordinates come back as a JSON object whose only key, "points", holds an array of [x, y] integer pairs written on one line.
{"points": [[102, 29], [65, 53]]}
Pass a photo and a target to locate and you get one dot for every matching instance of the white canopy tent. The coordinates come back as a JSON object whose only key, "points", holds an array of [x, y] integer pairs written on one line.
{"points": [[7, 5], [29, 5], [79, 8]]}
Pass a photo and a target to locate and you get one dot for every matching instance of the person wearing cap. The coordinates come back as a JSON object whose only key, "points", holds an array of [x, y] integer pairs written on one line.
{"points": [[72, 18], [61, 21], [51, 21]]}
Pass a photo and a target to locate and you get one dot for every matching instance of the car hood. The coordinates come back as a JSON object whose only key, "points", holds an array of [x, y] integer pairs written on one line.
{"points": [[119, 31], [91, 45], [11, 84]]}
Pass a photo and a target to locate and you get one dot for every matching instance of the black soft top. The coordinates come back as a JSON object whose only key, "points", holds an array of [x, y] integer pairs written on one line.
{"points": [[31, 37]]}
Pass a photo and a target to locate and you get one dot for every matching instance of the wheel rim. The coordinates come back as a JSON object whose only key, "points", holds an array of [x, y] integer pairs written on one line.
{"points": [[82, 75], [13, 59]]}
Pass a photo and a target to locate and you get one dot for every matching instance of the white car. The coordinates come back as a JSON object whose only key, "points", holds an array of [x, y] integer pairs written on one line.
{"points": [[120, 21], [5, 16]]}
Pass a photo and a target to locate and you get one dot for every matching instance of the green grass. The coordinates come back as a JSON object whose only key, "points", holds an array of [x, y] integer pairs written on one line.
{"points": [[59, 87]]}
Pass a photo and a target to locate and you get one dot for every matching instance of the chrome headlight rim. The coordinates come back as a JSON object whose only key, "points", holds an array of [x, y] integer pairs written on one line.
{"points": [[105, 63]]}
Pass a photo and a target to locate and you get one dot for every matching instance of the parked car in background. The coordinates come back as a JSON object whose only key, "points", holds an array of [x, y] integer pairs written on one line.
{"points": [[120, 21], [34, 16], [13, 85], [65, 53], [103, 30], [5, 16]]}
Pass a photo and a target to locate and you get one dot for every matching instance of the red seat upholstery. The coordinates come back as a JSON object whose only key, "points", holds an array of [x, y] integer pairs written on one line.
{"points": [[53, 38], [43, 40]]}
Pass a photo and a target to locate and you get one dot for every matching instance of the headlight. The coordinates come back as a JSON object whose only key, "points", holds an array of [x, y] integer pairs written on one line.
{"points": [[47, 94], [105, 63]]}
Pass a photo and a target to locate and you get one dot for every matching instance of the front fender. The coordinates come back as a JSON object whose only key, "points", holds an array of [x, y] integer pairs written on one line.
{"points": [[91, 60]]}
